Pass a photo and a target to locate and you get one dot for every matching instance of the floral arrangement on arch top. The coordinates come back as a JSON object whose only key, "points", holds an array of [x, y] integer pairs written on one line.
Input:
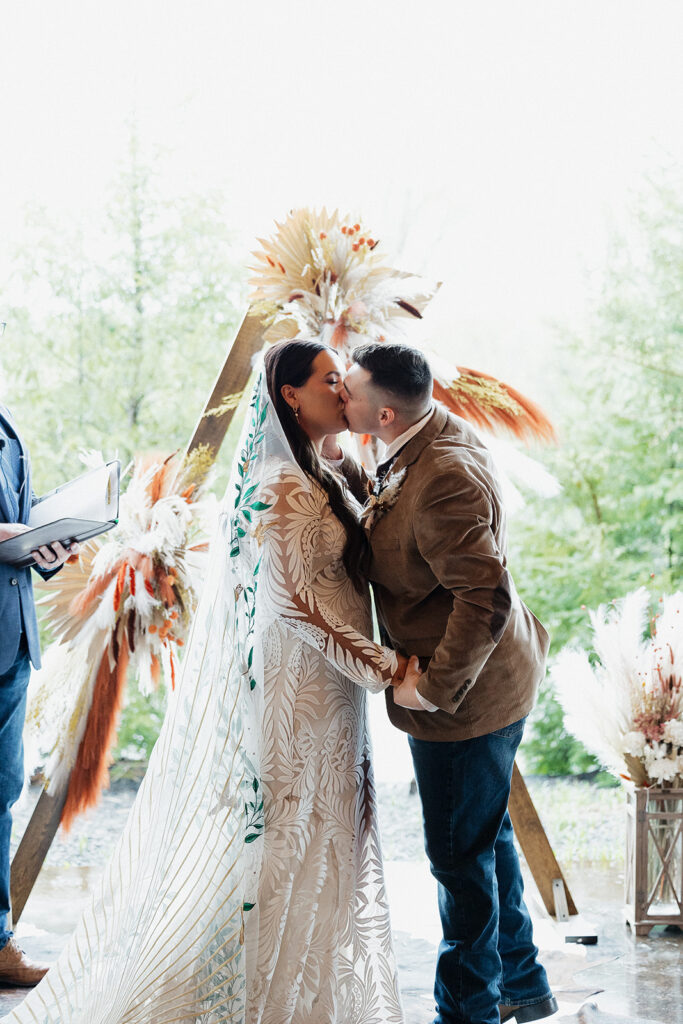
{"points": [[323, 276], [628, 708]]}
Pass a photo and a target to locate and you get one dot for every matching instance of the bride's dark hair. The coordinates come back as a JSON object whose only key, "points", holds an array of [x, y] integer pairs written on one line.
{"points": [[291, 362]]}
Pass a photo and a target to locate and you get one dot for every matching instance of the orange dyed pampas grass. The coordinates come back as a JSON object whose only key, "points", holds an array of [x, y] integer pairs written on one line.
{"points": [[124, 610]]}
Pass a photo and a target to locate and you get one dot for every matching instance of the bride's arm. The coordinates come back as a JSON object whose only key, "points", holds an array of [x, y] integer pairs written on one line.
{"points": [[365, 662], [295, 592]]}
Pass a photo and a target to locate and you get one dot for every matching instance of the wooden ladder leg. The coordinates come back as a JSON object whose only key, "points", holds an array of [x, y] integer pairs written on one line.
{"points": [[33, 849], [535, 845], [229, 387]]}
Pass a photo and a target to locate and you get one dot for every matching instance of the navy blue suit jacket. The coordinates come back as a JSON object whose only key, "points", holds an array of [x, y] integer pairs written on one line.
{"points": [[17, 606]]}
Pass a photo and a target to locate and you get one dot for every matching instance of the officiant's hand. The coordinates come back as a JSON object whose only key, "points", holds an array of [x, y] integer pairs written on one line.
{"points": [[9, 530], [55, 555], [46, 557], [405, 692]]}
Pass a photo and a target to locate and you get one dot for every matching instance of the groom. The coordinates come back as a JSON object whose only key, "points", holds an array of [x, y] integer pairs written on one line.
{"points": [[438, 566]]}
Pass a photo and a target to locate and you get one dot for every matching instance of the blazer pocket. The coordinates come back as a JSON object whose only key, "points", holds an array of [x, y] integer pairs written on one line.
{"points": [[385, 535], [381, 544]]}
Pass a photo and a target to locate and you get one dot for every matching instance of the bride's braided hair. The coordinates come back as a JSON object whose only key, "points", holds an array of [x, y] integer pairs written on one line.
{"points": [[291, 362]]}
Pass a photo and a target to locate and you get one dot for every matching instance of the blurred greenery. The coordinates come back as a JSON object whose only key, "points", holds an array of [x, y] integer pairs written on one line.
{"points": [[141, 721], [120, 334], [618, 522]]}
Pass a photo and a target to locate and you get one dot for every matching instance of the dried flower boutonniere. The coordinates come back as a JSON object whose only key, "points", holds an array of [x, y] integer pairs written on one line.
{"points": [[378, 504]]}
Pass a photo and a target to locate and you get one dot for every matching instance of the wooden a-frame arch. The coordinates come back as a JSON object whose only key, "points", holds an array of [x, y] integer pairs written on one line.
{"points": [[210, 433]]}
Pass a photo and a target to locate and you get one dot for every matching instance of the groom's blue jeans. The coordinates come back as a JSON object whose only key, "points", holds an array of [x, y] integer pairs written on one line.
{"points": [[487, 954], [13, 686]]}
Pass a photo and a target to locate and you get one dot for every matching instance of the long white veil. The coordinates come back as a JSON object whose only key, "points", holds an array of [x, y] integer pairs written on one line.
{"points": [[163, 937]]}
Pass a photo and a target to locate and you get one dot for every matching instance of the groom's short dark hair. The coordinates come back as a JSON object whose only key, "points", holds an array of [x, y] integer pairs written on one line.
{"points": [[401, 371]]}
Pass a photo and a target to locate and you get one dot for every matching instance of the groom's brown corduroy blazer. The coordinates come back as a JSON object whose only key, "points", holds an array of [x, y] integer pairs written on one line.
{"points": [[443, 592]]}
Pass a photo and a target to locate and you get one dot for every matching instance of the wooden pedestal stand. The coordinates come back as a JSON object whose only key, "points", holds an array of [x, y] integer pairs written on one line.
{"points": [[210, 432]]}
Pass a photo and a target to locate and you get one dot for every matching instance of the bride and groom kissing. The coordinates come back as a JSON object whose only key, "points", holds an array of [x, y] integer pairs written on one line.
{"points": [[248, 883], [437, 563]]}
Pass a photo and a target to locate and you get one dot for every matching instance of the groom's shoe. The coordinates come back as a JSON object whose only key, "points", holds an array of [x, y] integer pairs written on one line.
{"points": [[533, 1011]]}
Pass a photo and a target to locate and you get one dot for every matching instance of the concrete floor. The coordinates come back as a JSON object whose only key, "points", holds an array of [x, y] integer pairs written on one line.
{"points": [[621, 980]]}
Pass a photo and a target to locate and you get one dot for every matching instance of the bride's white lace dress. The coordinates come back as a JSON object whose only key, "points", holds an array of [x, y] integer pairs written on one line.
{"points": [[247, 885]]}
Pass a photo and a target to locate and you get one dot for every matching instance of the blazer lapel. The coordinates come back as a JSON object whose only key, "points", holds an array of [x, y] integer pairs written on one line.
{"points": [[417, 444], [410, 453], [7, 421]]}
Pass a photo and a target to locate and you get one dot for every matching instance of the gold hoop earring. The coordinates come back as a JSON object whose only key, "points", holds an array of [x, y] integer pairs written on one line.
{"points": [[296, 414]]}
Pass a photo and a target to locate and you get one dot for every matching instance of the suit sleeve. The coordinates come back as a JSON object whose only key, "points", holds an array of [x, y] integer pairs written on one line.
{"points": [[356, 478], [454, 532]]}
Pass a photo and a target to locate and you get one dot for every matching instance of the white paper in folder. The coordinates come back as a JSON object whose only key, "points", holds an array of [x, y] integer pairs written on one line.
{"points": [[93, 496]]}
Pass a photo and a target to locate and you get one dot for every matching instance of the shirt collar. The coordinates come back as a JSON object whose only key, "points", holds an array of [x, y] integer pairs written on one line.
{"points": [[407, 435]]}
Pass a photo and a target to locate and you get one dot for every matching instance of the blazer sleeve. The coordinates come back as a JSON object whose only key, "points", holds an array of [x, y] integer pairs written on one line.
{"points": [[453, 527], [357, 480]]}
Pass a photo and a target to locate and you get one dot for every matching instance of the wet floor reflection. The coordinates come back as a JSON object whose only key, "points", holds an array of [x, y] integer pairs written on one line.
{"points": [[641, 979]]}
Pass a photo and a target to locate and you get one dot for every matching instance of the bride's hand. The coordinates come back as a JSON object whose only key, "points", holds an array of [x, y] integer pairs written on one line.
{"points": [[405, 692], [331, 449]]}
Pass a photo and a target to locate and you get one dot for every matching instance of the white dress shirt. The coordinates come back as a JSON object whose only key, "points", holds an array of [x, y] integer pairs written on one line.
{"points": [[398, 442]]}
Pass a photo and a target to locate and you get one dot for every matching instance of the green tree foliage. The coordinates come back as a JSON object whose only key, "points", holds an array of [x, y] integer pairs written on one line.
{"points": [[141, 722], [618, 523], [121, 335]]}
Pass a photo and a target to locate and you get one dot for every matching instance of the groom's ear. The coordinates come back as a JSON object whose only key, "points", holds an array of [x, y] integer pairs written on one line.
{"points": [[386, 417]]}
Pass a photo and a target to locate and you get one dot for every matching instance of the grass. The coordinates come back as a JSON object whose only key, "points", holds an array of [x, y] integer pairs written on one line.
{"points": [[583, 818], [585, 821]]}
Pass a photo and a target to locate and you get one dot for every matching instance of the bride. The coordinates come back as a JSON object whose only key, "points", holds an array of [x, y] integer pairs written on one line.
{"points": [[247, 885]]}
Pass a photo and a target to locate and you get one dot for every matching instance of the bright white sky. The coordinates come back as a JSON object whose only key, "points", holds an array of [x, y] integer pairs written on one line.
{"points": [[488, 144]]}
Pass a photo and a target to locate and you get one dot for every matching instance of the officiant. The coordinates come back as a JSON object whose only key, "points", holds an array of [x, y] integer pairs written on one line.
{"points": [[19, 649]]}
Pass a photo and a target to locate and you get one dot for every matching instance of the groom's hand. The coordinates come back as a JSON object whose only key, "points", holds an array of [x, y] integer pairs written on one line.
{"points": [[405, 692]]}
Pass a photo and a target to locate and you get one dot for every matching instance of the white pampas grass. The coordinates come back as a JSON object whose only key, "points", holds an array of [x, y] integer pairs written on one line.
{"points": [[91, 458], [136, 591], [618, 638], [597, 708], [627, 709], [59, 698]]}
